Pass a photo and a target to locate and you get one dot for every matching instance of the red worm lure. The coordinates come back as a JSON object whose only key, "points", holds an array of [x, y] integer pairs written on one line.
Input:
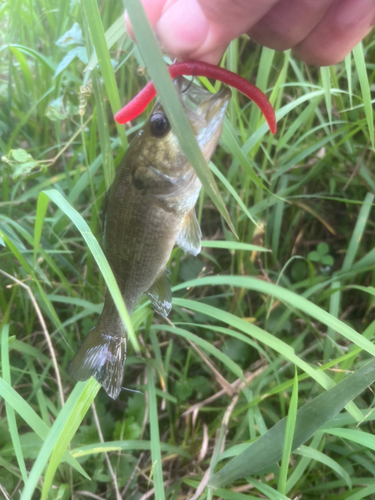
{"points": [[198, 68]]}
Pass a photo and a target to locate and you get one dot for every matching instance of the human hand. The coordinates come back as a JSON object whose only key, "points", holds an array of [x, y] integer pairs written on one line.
{"points": [[320, 32]]}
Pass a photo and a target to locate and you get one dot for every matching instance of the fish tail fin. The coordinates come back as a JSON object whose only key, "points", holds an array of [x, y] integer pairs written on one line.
{"points": [[101, 356]]}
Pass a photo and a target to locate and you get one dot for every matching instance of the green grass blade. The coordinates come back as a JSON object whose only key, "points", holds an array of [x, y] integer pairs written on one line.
{"points": [[20, 346], [267, 490], [298, 123], [27, 74], [207, 346], [263, 129], [326, 80], [278, 213], [233, 245], [334, 310], [39, 221], [358, 232], [232, 191], [348, 69], [267, 450], [112, 35], [103, 126], [308, 452], [360, 63], [9, 409], [289, 435], [72, 412], [294, 300], [66, 426], [157, 469], [300, 469], [362, 493], [128, 445], [38, 56], [363, 438], [32, 419], [260, 335], [153, 59], [265, 65], [12, 247], [229, 140], [102, 52], [99, 256]]}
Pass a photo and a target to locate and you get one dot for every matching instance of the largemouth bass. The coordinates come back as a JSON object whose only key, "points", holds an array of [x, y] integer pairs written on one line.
{"points": [[148, 209]]}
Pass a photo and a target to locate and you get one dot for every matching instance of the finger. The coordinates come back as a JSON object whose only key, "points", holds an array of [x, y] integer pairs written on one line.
{"points": [[289, 22], [346, 23], [154, 10], [201, 29], [210, 56], [182, 28], [235, 16], [179, 39]]}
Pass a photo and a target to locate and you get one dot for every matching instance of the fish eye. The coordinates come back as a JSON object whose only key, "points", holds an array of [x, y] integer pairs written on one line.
{"points": [[159, 125]]}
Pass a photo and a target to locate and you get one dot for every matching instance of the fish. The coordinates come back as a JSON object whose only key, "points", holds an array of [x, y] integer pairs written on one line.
{"points": [[149, 208]]}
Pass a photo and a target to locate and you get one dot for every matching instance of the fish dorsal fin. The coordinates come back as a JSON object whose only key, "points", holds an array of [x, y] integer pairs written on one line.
{"points": [[189, 238], [160, 294]]}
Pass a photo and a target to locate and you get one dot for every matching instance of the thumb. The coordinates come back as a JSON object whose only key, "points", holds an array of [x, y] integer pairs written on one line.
{"points": [[180, 26], [201, 29], [153, 8]]}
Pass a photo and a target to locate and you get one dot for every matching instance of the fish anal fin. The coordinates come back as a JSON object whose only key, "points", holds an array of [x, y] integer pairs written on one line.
{"points": [[189, 238], [160, 294]]}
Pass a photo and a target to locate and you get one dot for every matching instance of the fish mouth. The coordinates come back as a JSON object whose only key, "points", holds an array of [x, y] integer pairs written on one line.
{"points": [[215, 106], [199, 103], [205, 111]]}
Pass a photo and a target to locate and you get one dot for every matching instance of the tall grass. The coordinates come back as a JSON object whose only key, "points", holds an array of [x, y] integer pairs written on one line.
{"points": [[256, 386]]}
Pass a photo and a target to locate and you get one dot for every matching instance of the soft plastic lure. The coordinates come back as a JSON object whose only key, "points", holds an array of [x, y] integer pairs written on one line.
{"points": [[197, 68]]}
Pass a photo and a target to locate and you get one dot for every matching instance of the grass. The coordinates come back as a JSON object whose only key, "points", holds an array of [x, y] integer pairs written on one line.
{"points": [[257, 386]]}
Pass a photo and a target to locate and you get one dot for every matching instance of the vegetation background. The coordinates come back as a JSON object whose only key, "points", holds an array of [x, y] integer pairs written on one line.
{"points": [[243, 389]]}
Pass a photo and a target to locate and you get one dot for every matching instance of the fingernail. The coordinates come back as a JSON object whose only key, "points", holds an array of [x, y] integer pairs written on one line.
{"points": [[352, 12], [182, 28]]}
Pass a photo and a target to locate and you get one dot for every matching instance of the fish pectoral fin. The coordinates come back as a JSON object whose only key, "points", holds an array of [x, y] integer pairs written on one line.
{"points": [[189, 238], [160, 294]]}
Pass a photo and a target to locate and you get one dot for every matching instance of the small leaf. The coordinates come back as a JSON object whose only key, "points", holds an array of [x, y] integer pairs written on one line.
{"points": [[190, 268], [30, 444], [20, 155], [322, 248], [127, 429], [236, 350], [26, 169], [56, 110], [299, 270], [72, 36], [82, 55], [313, 256], [327, 260], [185, 389], [79, 52]]}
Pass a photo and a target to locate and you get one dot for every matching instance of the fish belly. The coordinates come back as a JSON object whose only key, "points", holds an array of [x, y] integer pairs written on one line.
{"points": [[139, 237]]}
